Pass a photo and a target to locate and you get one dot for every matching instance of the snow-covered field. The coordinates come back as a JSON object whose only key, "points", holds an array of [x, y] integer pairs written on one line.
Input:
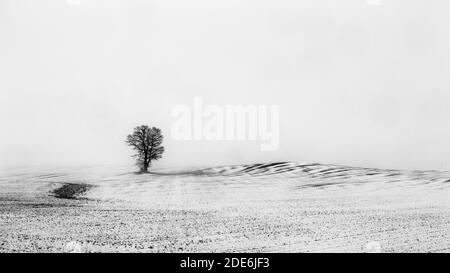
{"points": [[278, 207]]}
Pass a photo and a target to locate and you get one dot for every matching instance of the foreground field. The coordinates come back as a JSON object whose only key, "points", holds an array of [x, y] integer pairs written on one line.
{"points": [[280, 207]]}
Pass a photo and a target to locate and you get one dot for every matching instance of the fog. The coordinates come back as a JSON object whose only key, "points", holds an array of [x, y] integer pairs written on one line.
{"points": [[358, 82]]}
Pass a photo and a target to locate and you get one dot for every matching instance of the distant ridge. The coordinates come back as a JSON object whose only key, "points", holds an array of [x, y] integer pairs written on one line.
{"points": [[325, 171]]}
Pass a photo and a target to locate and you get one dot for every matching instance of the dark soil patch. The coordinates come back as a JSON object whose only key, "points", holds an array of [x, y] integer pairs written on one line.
{"points": [[71, 190]]}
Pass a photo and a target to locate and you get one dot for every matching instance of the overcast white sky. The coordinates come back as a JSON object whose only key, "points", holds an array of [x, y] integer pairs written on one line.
{"points": [[359, 82]]}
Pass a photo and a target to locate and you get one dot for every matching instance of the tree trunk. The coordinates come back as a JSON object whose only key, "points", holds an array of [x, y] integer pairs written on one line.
{"points": [[144, 168]]}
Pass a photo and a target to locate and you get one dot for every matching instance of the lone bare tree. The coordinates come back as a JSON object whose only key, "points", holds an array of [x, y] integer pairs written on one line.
{"points": [[146, 142]]}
